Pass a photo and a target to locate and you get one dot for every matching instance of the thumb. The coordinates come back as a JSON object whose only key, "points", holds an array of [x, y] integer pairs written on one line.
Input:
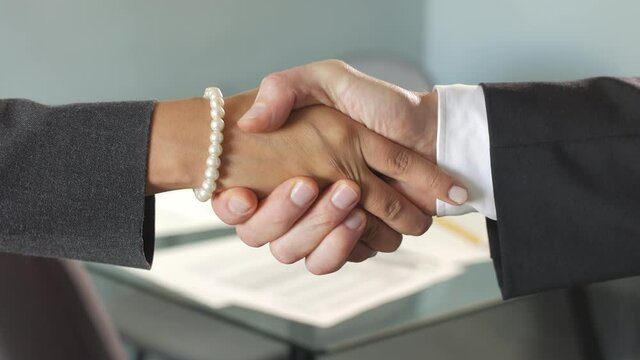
{"points": [[282, 92], [275, 100], [235, 206]]}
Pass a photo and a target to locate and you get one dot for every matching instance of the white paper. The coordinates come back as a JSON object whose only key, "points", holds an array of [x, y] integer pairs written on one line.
{"points": [[461, 239], [178, 212], [227, 272]]}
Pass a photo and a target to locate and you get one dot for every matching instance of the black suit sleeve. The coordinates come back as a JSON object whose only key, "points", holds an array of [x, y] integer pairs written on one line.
{"points": [[565, 161], [72, 181]]}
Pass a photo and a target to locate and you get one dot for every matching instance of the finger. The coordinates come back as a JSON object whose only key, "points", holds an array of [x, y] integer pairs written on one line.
{"points": [[284, 91], [235, 206], [278, 212], [404, 165], [385, 202], [361, 252], [380, 237], [331, 254], [329, 211]]}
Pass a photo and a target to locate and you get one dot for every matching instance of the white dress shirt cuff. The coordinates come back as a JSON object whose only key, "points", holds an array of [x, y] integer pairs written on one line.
{"points": [[463, 147]]}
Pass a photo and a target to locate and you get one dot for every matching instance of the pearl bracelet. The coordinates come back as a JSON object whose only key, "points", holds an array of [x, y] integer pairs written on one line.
{"points": [[211, 173]]}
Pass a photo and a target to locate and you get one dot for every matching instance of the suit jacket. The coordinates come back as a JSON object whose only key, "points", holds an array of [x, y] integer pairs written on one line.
{"points": [[565, 161], [72, 181]]}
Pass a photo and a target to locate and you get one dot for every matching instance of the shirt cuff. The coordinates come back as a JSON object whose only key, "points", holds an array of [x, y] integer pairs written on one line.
{"points": [[463, 147]]}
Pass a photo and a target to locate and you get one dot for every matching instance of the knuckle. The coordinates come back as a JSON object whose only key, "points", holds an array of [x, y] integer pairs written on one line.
{"points": [[436, 178], [393, 209], [274, 79], [336, 63], [282, 253], [399, 161]]}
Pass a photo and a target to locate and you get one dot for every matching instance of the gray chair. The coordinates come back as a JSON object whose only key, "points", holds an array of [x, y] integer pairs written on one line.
{"points": [[48, 310]]}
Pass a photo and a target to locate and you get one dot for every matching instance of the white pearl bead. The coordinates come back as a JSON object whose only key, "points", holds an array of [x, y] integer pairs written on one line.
{"points": [[215, 92], [201, 195], [213, 161], [217, 112], [215, 149], [217, 124], [211, 174], [208, 186], [216, 137], [216, 102]]}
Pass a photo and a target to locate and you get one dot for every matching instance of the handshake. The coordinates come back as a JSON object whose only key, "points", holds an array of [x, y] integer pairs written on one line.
{"points": [[321, 162]]}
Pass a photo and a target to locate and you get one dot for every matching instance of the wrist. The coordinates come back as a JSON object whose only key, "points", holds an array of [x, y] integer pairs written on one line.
{"points": [[428, 112], [178, 144]]}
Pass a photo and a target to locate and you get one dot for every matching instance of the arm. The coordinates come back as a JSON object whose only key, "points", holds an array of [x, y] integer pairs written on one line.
{"points": [[93, 175], [72, 181], [564, 159]]}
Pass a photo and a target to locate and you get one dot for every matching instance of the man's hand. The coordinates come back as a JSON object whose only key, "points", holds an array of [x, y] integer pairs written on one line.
{"points": [[405, 117]]}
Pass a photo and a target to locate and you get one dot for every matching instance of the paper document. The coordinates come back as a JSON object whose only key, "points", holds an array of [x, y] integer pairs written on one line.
{"points": [[178, 212], [227, 272], [462, 239], [224, 272]]}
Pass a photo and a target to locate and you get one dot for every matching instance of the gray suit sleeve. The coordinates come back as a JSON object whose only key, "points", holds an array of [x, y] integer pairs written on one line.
{"points": [[72, 181]]}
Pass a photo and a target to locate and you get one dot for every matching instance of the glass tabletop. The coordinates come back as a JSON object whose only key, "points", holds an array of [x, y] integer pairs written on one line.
{"points": [[473, 289]]}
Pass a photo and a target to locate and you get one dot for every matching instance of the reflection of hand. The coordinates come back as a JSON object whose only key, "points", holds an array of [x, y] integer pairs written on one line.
{"points": [[405, 117]]}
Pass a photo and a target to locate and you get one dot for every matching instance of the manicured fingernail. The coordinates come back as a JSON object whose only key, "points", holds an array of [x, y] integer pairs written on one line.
{"points": [[238, 206], [344, 197], [458, 194], [255, 111], [302, 194], [354, 221]]}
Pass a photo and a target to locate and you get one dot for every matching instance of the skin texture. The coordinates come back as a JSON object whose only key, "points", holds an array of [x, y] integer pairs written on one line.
{"points": [[408, 118]]}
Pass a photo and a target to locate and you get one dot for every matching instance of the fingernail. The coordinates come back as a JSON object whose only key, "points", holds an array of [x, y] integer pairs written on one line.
{"points": [[302, 194], [354, 221], [238, 206], [344, 197], [255, 111], [458, 194]]}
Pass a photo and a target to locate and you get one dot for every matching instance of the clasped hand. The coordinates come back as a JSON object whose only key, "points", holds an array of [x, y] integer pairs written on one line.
{"points": [[302, 176]]}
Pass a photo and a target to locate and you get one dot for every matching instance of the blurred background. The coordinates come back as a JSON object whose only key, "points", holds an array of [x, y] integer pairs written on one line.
{"points": [[73, 50], [88, 50]]}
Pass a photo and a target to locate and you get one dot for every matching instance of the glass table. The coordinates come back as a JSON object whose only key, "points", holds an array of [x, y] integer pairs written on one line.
{"points": [[474, 289]]}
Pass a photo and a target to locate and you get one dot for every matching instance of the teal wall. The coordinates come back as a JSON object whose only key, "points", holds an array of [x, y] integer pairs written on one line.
{"points": [[502, 40], [82, 50]]}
